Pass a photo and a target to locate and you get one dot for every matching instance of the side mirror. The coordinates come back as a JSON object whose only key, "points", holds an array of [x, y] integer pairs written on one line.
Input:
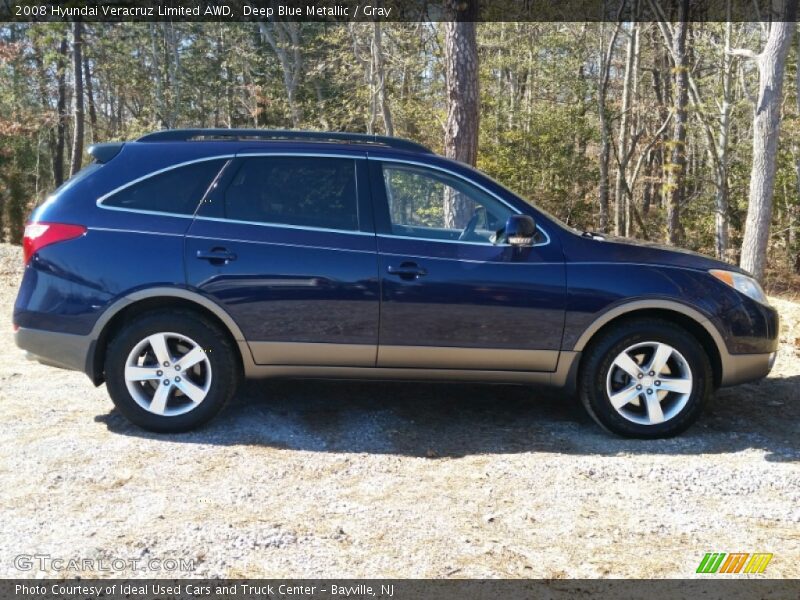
{"points": [[520, 230]]}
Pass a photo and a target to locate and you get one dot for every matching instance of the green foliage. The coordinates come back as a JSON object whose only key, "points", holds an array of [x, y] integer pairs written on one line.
{"points": [[539, 121]]}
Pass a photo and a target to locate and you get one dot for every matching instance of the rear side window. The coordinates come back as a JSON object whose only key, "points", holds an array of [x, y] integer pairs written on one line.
{"points": [[295, 190], [177, 190]]}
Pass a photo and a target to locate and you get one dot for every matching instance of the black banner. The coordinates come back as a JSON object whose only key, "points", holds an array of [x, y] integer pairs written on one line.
{"points": [[384, 10], [394, 589]]}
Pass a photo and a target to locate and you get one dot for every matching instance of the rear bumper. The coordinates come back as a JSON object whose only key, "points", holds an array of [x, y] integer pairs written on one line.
{"points": [[741, 368], [55, 349]]}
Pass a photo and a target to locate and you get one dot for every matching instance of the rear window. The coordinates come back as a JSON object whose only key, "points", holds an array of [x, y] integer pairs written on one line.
{"points": [[301, 191], [177, 190]]}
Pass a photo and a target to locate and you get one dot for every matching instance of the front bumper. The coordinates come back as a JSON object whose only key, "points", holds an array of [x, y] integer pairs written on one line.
{"points": [[741, 368], [55, 349]]}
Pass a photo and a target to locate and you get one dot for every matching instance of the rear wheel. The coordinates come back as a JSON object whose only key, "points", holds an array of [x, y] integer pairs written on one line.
{"points": [[645, 378], [171, 371]]}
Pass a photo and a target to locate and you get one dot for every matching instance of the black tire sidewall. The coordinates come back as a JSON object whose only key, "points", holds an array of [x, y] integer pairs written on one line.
{"points": [[220, 353], [601, 356]]}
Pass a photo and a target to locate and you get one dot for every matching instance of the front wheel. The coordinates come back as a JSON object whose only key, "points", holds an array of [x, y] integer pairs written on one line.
{"points": [[170, 371], [645, 378]]}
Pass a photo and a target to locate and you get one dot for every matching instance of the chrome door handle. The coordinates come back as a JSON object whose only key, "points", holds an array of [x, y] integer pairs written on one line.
{"points": [[407, 271], [216, 256]]}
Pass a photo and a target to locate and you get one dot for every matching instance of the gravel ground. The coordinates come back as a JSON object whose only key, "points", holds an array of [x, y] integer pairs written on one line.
{"points": [[336, 479]]}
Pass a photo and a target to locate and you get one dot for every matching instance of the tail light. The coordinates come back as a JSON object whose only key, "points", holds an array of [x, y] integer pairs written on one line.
{"points": [[39, 235]]}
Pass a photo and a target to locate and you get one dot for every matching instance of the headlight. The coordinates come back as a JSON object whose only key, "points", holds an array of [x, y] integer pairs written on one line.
{"points": [[741, 283]]}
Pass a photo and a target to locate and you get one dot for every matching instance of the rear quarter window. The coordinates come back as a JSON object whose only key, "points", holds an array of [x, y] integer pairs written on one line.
{"points": [[176, 191]]}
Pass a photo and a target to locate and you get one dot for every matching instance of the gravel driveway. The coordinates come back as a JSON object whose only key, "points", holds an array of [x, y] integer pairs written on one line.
{"points": [[337, 479]]}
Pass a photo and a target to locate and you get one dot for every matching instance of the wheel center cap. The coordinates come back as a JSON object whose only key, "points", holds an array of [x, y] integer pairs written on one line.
{"points": [[647, 381]]}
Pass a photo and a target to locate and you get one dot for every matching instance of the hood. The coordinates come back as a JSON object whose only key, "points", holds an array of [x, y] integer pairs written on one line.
{"points": [[626, 250]]}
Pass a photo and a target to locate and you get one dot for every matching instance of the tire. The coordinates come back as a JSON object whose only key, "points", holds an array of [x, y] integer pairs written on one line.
{"points": [[664, 404], [136, 378]]}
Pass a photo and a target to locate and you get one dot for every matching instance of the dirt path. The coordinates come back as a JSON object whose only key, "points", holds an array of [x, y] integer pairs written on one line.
{"points": [[324, 479]]}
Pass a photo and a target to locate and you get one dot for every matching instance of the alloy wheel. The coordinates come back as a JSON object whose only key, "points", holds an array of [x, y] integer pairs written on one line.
{"points": [[168, 374], [649, 383]]}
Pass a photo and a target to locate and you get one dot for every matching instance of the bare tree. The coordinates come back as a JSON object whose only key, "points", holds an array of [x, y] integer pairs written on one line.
{"points": [[676, 173], [721, 172], [625, 145], [461, 82], [766, 128], [606, 54], [77, 113], [379, 79], [61, 109], [284, 39], [87, 81]]}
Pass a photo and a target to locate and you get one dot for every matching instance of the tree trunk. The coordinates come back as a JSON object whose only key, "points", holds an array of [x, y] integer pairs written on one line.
{"points": [[721, 169], [42, 77], [282, 36], [161, 104], [380, 78], [795, 210], [623, 145], [766, 128], [461, 81], [61, 109], [605, 134], [676, 168], [77, 75], [87, 80]]}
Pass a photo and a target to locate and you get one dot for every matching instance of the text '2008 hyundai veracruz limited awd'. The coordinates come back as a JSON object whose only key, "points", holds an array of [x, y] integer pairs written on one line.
{"points": [[177, 264]]}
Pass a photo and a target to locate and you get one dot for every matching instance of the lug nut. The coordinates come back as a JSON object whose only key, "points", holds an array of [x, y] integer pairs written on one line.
{"points": [[166, 382], [159, 373], [658, 382], [649, 391], [638, 387], [177, 379], [166, 363], [652, 373], [177, 367], [640, 375]]}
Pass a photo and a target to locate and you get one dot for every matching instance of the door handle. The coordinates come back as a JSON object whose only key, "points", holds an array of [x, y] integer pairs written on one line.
{"points": [[407, 271], [216, 256]]}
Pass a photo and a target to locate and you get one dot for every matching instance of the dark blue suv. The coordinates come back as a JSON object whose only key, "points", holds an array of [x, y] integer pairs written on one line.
{"points": [[176, 264]]}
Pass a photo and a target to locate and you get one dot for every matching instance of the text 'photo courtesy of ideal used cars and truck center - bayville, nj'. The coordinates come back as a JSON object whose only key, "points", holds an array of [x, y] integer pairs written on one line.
{"points": [[448, 299]]}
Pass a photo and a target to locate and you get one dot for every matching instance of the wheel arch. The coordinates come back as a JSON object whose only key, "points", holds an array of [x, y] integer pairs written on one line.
{"points": [[119, 313], [690, 319]]}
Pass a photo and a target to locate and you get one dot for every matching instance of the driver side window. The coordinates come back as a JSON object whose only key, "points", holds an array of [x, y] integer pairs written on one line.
{"points": [[434, 205]]}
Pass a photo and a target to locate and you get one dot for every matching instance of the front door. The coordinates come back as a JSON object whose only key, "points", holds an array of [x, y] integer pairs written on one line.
{"points": [[451, 298], [286, 245]]}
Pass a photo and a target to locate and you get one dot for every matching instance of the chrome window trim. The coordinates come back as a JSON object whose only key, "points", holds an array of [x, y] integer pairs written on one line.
{"points": [[287, 226], [99, 202], [470, 182], [354, 156]]}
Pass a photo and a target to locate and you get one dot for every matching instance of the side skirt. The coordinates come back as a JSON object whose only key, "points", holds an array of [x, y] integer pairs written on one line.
{"points": [[563, 376]]}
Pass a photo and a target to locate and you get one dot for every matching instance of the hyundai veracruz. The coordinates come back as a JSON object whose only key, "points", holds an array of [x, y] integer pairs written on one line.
{"points": [[177, 264]]}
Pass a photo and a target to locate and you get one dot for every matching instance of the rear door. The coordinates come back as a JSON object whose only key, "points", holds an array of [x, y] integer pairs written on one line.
{"points": [[286, 244]]}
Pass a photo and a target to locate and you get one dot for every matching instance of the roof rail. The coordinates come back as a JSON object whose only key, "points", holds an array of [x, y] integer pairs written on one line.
{"points": [[185, 135]]}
